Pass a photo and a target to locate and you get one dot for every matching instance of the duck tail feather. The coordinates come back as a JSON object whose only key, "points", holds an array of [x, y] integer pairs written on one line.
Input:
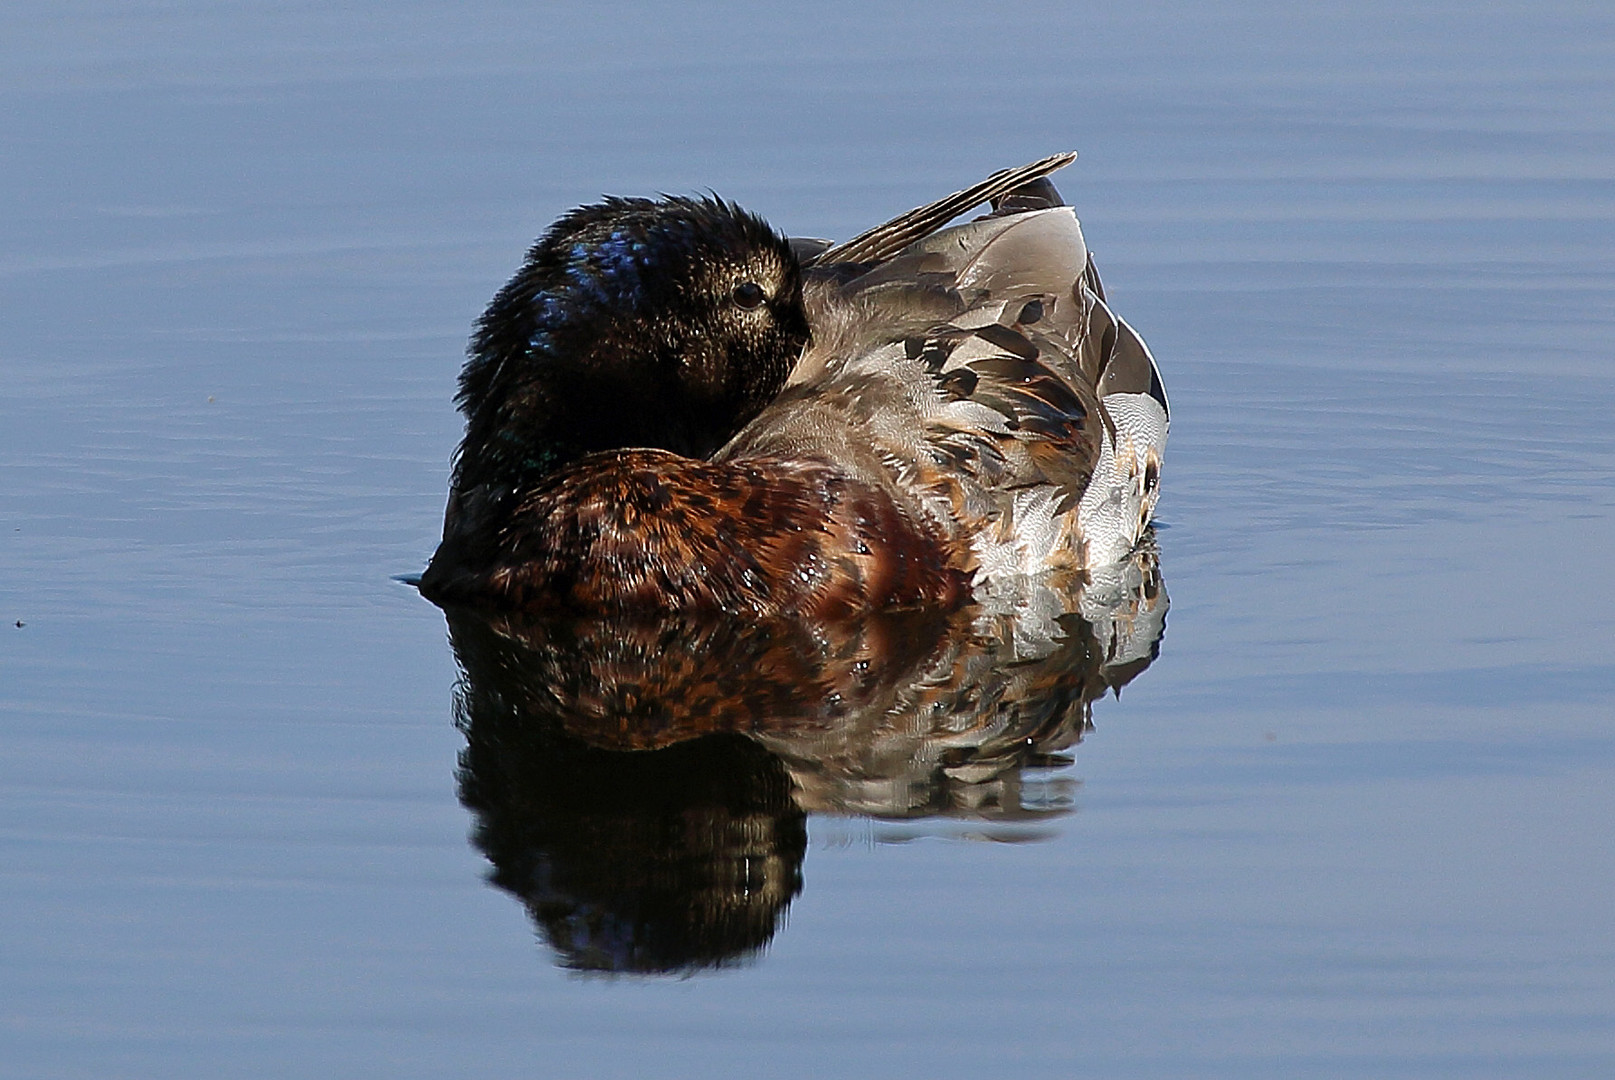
{"points": [[883, 241]]}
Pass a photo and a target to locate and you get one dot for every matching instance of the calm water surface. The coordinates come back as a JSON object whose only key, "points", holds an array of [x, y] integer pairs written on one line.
{"points": [[1353, 821]]}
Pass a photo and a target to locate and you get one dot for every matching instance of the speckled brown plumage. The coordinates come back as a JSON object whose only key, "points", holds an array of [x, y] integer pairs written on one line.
{"points": [[648, 530]]}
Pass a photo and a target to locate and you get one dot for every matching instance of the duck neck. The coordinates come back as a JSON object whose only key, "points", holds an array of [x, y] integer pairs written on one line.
{"points": [[532, 414]]}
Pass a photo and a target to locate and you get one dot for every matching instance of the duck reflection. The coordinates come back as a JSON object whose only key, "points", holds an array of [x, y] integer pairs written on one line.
{"points": [[643, 785]]}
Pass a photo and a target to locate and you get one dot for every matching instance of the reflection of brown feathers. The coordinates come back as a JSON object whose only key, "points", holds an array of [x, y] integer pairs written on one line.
{"points": [[640, 782], [635, 683], [895, 714], [647, 530]]}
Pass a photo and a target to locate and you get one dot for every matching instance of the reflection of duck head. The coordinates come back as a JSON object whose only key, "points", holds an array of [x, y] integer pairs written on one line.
{"points": [[667, 860], [642, 784], [646, 431]]}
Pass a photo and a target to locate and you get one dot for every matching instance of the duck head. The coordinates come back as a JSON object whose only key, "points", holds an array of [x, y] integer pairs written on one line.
{"points": [[665, 323]]}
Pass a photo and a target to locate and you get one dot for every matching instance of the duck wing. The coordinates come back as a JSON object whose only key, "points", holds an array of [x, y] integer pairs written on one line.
{"points": [[979, 376]]}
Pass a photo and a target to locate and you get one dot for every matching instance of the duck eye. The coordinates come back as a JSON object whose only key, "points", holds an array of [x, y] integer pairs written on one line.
{"points": [[748, 295]]}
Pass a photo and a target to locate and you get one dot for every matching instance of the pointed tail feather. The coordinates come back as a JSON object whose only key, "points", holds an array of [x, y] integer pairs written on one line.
{"points": [[884, 241]]}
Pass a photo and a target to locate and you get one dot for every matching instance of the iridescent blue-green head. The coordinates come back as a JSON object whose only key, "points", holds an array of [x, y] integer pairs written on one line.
{"points": [[663, 323]]}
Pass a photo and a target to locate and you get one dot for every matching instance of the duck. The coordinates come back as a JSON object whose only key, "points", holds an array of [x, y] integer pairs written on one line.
{"points": [[674, 408]]}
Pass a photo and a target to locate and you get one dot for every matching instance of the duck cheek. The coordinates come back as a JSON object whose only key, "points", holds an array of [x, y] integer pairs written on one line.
{"points": [[702, 372], [754, 376]]}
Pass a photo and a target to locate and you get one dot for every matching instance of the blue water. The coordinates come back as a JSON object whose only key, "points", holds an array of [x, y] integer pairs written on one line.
{"points": [[1354, 821]]}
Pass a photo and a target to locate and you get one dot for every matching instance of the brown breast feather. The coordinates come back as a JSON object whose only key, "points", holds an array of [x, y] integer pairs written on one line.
{"points": [[649, 530]]}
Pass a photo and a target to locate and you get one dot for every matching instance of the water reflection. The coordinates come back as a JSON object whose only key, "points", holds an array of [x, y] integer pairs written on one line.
{"points": [[643, 786]]}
